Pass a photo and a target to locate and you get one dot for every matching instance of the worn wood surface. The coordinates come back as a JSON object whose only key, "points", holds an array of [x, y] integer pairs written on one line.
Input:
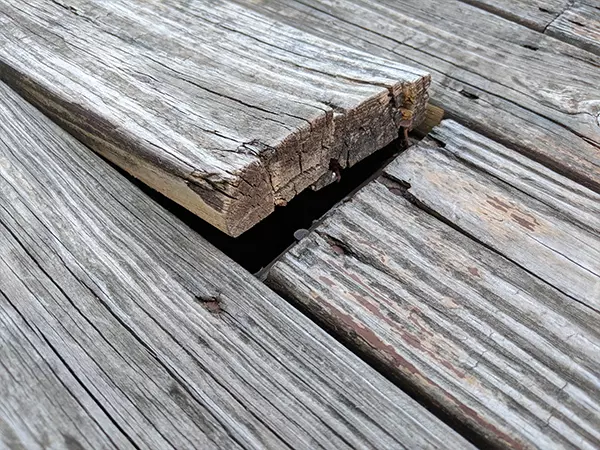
{"points": [[495, 345], [536, 218], [525, 89], [536, 14], [123, 327], [42, 405], [579, 25], [223, 110]]}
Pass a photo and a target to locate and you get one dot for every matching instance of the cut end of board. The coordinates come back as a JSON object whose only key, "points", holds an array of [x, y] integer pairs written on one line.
{"points": [[313, 156]]}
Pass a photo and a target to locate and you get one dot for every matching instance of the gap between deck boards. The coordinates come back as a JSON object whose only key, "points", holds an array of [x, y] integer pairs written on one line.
{"points": [[256, 249]]}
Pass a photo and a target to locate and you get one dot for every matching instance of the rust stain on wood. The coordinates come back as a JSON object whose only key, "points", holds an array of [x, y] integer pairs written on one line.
{"points": [[524, 222], [212, 303], [387, 351], [498, 204], [474, 271], [529, 222]]}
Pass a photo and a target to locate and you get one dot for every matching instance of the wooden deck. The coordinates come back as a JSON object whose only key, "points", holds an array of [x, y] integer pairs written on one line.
{"points": [[452, 301], [122, 328]]}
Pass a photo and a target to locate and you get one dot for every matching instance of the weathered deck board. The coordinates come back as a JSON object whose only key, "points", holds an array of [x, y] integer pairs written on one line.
{"points": [[156, 336], [535, 14], [41, 403], [579, 25], [574, 21], [545, 223], [223, 110], [525, 89], [495, 346]]}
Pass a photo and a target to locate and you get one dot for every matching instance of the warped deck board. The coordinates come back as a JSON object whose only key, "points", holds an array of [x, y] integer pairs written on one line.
{"points": [[125, 328], [579, 25], [496, 347], [219, 108], [525, 89]]}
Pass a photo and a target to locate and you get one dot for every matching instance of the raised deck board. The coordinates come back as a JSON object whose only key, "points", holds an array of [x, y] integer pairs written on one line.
{"points": [[122, 327], [579, 25], [495, 346], [219, 108], [525, 89]]}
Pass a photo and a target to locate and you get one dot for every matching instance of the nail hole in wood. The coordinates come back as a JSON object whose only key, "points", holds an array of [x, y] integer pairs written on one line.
{"points": [[212, 303]]}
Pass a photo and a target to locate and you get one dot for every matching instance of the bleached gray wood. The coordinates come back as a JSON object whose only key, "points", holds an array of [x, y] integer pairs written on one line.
{"points": [[494, 346], [42, 403], [579, 25], [151, 330], [486, 71], [535, 14], [542, 221], [220, 108]]}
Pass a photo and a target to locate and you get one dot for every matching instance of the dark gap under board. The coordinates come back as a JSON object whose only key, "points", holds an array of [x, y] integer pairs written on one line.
{"points": [[259, 246]]}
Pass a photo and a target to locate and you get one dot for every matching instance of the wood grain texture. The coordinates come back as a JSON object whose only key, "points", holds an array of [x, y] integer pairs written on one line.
{"points": [[132, 328], [42, 405], [219, 108], [536, 218], [535, 14], [579, 25], [525, 89], [496, 347]]}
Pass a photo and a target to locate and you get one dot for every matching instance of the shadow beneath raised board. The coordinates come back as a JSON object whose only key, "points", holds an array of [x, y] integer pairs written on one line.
{"points": [[260, 245]]}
